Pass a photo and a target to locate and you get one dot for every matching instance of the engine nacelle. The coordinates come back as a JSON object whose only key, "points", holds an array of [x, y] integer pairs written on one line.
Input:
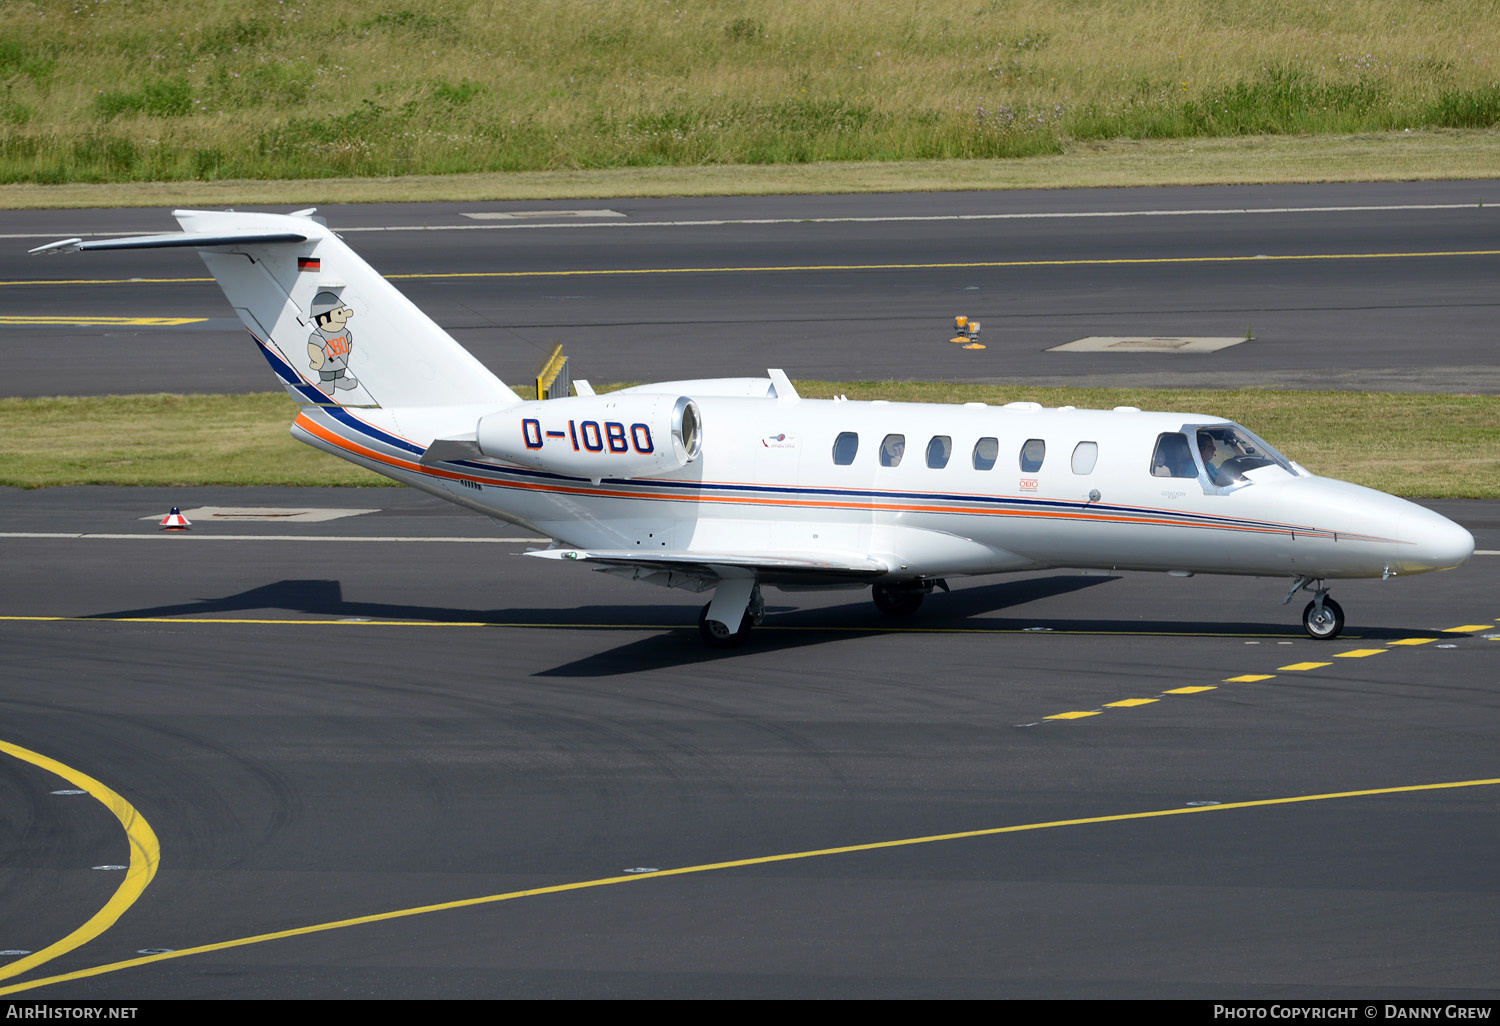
{"points": [[595, 436]]}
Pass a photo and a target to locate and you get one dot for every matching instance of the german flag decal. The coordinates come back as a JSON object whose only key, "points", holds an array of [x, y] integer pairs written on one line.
{"points": [[308, 263]]}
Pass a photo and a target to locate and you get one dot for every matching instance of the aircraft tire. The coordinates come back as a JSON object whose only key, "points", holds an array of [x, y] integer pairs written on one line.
{"points": [[1329, 626], [717, 635], [896, 601]]}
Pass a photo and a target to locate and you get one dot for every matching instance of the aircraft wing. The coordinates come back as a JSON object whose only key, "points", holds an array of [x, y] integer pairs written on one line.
{"points": [[708, 567]]}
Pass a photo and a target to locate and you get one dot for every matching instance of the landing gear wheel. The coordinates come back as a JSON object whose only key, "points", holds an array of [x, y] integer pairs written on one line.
{"points": [[719, 636], [897, 601], [1324, 626]]}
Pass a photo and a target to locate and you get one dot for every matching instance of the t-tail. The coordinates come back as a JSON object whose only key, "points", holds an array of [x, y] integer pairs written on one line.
{"points": [[356, 354]]}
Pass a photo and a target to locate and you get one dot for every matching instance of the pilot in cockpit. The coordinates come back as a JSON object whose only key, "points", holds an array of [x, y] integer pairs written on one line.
{"points": [[1208, 450]]}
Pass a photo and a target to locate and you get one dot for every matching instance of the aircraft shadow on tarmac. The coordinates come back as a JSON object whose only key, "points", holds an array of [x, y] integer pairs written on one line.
{"points": [[965, 610]]}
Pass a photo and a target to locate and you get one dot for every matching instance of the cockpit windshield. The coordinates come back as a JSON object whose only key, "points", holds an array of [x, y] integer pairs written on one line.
{"points": [[1229, 452]]}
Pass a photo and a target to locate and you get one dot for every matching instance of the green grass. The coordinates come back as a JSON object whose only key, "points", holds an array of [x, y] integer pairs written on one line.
{"points": [[1424, 446], [1449, 154], [146, 90]]}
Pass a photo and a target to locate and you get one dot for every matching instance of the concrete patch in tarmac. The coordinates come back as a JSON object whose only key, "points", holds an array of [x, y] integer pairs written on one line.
{"points": [[1147, 344], [279, 514]]}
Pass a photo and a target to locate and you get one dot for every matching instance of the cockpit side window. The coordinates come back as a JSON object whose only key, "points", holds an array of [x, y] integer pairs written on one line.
{"points": [[1229, 452], [844, 448], [1173, 458], [986, 452]]}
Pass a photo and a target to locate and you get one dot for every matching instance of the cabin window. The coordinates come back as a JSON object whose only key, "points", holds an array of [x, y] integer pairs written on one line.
{"points": [[892, 448], [844, 448], [1085, 455], [986, 452], [1173, 458], [939, 450], [1032, 454]]}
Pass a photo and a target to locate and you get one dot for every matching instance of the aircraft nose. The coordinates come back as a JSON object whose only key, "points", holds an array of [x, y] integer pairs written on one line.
{"points": [[1437, 542]]}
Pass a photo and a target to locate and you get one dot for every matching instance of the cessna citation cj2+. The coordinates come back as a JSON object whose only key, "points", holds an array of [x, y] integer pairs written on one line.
{"points": [[735, 483]]}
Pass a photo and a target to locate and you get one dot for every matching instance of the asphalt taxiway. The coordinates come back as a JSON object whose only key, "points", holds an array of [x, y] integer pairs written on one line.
{"points": [[434, 768], [383, 755], [1382, 286]]}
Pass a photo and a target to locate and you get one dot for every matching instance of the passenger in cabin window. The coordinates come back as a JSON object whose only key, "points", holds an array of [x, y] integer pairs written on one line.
{"points": [[939, 450], [892, 449], [986, 452]]}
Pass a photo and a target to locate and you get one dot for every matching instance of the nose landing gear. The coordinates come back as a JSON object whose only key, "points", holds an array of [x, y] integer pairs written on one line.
{"points": [[1323, 619]]}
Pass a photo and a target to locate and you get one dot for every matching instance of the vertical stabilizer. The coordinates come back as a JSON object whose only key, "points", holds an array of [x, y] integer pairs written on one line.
{"points": [[335, 332]]}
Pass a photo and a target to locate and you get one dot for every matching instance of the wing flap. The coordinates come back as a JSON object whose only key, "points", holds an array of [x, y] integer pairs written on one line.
{"points": [[767, 566]]}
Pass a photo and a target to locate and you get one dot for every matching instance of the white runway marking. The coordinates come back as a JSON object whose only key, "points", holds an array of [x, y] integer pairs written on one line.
{"points": [[517, 215], [1038, 216], [266, 537]]}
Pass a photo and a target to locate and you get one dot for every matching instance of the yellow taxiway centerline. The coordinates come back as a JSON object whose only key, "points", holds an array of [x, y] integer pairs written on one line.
{"points": [[762, 860], [955, 265], [145, 858]]}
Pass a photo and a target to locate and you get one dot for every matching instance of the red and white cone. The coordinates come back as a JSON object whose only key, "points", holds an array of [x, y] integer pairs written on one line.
{"points": [[175, 521]]}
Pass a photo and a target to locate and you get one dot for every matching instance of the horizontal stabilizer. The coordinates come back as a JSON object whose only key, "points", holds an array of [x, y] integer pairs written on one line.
{"points": [[170, 241], [335, 332], [446, 450]]}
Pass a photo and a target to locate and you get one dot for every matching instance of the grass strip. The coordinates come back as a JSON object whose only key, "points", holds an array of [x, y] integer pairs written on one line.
{"points": [[145, 91], [1411, 444], [1119, 163]]}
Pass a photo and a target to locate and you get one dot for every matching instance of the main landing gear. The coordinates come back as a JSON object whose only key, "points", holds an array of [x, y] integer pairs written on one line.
{"points": [[1323, 619], [738, 601], [903, 598]]}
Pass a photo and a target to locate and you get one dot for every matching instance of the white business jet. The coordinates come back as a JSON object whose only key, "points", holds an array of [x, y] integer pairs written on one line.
{"points": [[732, 484]]}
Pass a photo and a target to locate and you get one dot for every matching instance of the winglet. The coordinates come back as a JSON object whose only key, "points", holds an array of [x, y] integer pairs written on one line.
{"points": [[61, 246]]}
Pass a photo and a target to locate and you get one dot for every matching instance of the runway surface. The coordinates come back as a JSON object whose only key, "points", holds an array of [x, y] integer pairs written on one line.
{"points": [[1383, 286], [382, 755], [318, 729]]}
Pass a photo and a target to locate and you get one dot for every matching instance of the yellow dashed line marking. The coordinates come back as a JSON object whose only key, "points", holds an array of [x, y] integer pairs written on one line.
{"points": [[599, 272], [1469, 628], [108, 322], [145, 857], [763, 860], [1251, 678]]}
